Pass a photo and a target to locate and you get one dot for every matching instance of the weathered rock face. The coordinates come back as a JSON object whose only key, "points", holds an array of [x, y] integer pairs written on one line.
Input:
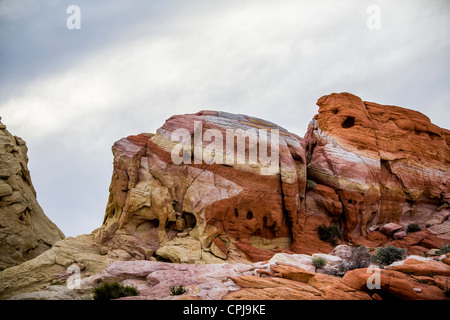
{"points": [[385, 164], [63, 265], [360, 165], [25, 231], [231, 208]]}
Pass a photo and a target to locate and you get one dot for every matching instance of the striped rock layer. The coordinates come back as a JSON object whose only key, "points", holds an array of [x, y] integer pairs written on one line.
{"points": [[385, 163], [366, 164]]}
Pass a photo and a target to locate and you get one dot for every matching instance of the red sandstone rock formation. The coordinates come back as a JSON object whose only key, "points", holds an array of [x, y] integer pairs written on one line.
{"points": [[367, 165], [225, 207], [386, 163]]}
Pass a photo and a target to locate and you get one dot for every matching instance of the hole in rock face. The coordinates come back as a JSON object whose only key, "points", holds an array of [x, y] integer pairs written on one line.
{"points": [[24, 214], [349, 201], [249, 215], [190, 219], [236, 213], [348, 122], [335, 111]]}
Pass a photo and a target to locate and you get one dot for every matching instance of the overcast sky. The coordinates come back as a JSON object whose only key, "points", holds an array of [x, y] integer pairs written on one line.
{"points": [[70, 94]]}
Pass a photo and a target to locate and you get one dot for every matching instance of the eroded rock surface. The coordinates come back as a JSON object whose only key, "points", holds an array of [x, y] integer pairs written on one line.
{"points": [[267, 280], [233, 210], [25, 231], [387, 164], [361, 165], [241, 230]]}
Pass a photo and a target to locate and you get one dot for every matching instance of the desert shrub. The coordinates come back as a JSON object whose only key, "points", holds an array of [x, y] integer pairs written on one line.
{"points": [[319, 262], [176, 291], [413, 227], [388, 254], [329, 234], [310, 185], [445, 248], [360, 258], [114, 290]]}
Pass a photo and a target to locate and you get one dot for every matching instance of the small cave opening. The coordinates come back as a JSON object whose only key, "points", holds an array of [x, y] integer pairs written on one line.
{"points": [[190, 219], [24, 214], [310, 151], [249, 215], [348, 122], [236, 213]]}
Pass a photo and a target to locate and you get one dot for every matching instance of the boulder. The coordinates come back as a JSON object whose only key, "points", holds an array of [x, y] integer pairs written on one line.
{"points": [[391, 284], [181, 250], [391, 228], [399, 234], [420, 258], [302, 261], [434, 252], [342, 251], [423, 268]]}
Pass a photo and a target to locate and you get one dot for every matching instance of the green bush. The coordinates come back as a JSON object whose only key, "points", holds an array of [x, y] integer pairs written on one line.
{"points": [[176, 291], [388, 254], [329, 234], [413, 227], [114, 290], [319, 262], [360, 258], [445, 248]]}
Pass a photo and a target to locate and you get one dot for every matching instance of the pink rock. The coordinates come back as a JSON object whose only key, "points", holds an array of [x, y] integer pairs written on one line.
{"points": [[390, 228], [154, 279], [399, 235]]}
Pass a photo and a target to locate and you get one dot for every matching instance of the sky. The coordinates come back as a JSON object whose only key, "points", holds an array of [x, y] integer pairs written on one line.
{"points": [[71, 93]]}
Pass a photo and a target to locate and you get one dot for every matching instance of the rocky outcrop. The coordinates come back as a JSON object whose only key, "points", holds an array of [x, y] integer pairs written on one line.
{"points": [[234, 209], [361, 166], [70, 258], [25, 231], [385, 163], [231, 206], [401, 281]]}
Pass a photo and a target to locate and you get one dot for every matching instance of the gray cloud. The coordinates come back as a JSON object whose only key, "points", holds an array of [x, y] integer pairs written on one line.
{"points": [[71, 94]]}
